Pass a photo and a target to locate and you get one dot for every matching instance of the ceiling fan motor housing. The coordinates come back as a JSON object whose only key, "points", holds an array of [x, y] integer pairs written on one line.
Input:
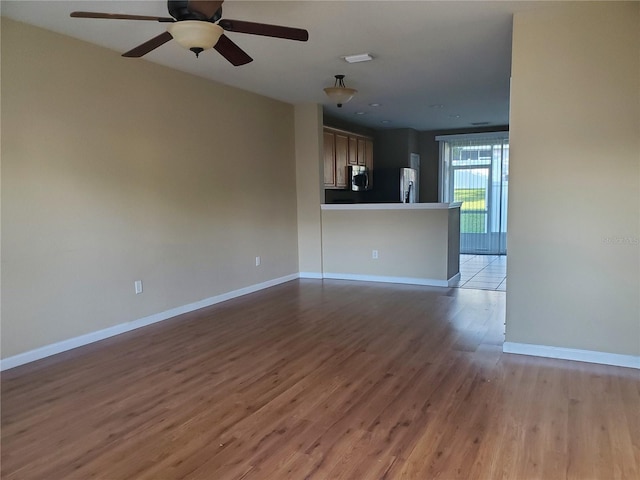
{"points": [[179, 9]]}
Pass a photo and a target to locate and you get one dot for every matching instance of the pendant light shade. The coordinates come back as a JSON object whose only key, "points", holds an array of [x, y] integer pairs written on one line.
{"points": [[195, 35], [339, 93]]}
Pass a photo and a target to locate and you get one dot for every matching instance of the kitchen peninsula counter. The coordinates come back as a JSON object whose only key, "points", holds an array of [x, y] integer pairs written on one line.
{"points": [[415, 243], [390, 206]]}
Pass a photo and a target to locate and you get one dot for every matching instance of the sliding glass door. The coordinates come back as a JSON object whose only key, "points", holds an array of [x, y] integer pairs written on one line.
{"points": [[475, 171]]}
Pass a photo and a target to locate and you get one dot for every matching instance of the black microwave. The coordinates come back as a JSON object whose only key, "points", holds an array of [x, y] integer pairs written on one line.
{"points": [[358, 178]]}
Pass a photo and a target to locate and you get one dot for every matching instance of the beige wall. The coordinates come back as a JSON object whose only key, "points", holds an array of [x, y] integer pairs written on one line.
{"points": [[309, 184], [411, 243], [574, 193], [117, 169]]}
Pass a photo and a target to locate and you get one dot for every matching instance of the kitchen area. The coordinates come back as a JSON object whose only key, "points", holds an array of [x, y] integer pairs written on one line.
{"points": [[381, 220]]}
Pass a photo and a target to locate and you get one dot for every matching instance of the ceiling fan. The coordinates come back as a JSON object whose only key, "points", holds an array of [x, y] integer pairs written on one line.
{"points": [[198, 25]]}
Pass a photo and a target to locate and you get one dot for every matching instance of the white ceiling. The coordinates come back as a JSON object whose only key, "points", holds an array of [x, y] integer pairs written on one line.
{"points": [[455, 54]]}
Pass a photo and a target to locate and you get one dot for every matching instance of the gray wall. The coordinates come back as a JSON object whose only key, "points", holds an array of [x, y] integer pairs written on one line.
{"points": [[393, 147]]}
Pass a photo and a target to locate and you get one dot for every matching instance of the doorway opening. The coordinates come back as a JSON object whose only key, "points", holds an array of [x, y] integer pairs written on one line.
{"points": [[474, 170]]}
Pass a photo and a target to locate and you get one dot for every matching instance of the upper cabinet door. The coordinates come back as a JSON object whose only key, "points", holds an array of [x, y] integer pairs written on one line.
{"points": [[362, 151], [368, 159], [329, 159], [342, 155], [353, 151]]}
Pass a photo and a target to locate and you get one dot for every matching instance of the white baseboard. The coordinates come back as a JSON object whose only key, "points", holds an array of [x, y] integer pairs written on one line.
{"points": [[630, 361], [317, 275], [453, 280], [375, 278], [64, 345], [589, 356]]}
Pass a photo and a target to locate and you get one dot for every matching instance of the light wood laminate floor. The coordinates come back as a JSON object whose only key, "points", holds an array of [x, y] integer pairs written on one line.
{"points": [[321, 380]]}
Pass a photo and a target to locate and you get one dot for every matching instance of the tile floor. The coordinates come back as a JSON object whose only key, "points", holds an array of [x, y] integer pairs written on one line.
{"points": [[483, 272]]}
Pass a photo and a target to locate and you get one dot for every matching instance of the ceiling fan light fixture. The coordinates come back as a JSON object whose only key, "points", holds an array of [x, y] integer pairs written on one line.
{"points": [[195, 35], [339, 93]]}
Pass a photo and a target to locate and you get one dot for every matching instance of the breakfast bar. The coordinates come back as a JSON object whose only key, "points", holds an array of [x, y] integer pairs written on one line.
{"points": [[413, 243]]}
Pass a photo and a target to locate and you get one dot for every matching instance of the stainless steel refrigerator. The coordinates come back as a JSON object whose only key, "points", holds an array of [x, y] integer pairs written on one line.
{"points": [[393, 185], [408, 185]]}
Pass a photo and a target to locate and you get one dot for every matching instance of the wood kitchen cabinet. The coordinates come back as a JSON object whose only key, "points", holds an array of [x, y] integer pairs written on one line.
{"points": [[329, 153], [353, 151], [368, 159], [342, 149], [342, 159], [361, 151]]}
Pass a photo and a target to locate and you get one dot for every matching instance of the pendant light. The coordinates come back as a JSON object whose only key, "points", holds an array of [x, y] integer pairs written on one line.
{"points": [[340, 94]]}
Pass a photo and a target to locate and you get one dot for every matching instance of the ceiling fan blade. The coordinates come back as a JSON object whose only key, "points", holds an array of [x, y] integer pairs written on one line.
{"points": [[149, 45], [117, 16], [264, 29], [232, 52], [204, 7]]}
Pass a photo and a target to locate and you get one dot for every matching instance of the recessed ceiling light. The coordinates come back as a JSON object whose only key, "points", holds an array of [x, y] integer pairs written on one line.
{"points": [[374, 104], [385, 121], [361, 57], [436, 105], [454, 116], [360, 113]]}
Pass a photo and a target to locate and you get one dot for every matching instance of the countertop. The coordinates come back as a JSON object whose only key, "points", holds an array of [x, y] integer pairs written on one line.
{"points": [[390, 206]]}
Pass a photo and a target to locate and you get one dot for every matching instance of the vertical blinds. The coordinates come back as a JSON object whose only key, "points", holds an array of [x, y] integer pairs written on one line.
{"points": [[474, 170]]}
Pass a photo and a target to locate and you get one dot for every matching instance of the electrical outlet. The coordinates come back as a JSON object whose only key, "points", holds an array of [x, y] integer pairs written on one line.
{"points": [[258, 261], [138, 286], [374, 254]]}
